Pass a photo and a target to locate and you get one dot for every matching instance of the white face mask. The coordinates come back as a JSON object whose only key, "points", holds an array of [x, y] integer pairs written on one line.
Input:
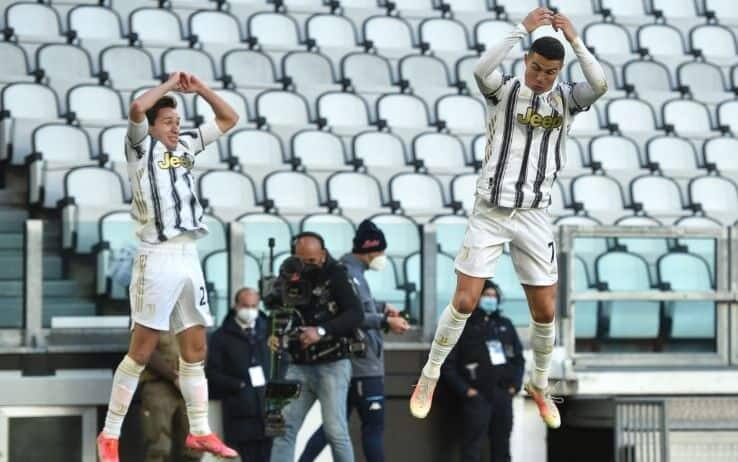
{"points": [[378, 263], [247, 315]]}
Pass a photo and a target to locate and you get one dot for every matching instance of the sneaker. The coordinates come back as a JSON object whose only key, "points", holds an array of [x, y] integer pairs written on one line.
{"points": [[422, 398], [546, 405], [107, 448], [210, 443]]}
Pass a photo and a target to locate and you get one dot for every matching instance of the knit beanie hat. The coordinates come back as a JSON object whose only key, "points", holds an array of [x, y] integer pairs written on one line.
{"points": [[369, 238]]}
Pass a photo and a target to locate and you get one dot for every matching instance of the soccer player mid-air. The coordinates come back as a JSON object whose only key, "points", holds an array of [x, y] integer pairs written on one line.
{"points": [[167, 288], [528, 118]]}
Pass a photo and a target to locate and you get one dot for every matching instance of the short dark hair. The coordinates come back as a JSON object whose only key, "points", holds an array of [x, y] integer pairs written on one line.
{"points": [[489, 284], [310, 234], [161, 103], [549, 48]]}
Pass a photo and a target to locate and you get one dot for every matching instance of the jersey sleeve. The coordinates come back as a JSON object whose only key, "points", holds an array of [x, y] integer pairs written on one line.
{"points": [[489, 79], [206, 134], [137, 140], [581, 95]]}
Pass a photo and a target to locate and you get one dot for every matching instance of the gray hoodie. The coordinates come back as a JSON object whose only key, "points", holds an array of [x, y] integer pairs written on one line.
{"points": [[372, 365]]}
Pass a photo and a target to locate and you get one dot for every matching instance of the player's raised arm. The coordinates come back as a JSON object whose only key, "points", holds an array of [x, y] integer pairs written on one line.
{"points": [[225, 116], [486, 74], [139, 106], [584, 93]]}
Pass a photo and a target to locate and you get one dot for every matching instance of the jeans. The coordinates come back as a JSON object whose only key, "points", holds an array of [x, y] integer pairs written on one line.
{"points": [[367, 396], [328, 383]]}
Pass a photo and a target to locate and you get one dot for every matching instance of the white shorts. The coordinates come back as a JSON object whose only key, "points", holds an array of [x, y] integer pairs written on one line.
{"points": [[167, 287], [529, 233]]}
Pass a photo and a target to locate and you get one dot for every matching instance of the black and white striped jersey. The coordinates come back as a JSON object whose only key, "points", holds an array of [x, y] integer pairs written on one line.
{"points": [[526, 143], [165, 203], [526, 132]]}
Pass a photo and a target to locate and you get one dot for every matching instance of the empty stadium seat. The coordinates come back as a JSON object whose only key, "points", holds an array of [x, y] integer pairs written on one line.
{"points": [[610, 41], [444, 34], [689, 118], [402, 234], [338, 232], [235, 100], [418, 194], [392, 36], [193, 61], [229, 194], [379, 149], [293, 193], [450, 231], [15, 63], [250, 69], [662, 41], [445, 282], [557, 204], [403, 111], [27, 106], [157, 27], [343, 186], [651, 79], [128, 67], [587, 248], [283, 108], [89, 193], [647, 247], [217, 236], [369, 73], [688, 272], [385, 285], [705, 248], [427, 76], [723, 9], [34, 23], [344, 112], [658, 195], [632, 115], [722, 153], [215, 27], [717, 196], [64, 66], [311, 73], [489, 32], [627, 12], [705, 81], [716, 43], [574, 155], [117, 234], [95, 23], [96, 105], [331, 31], [256, 148], [599, 195], [614, 86], [258, 228], [587, 123], [215, 271], [727, 113], [440, 153], [274, 31], [318, 150], [56, 149], [464, 115], [463, 190], [672, 153], [615, 153], [585, 313]]}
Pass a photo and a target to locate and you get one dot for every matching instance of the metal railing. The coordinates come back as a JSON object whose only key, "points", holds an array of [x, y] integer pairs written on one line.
{"points": [[641, 431]]}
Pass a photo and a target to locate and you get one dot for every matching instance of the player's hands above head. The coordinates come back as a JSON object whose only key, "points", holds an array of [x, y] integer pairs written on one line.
{"points": [[561, 22], [188, 83], [173, 81], [537, 18]]}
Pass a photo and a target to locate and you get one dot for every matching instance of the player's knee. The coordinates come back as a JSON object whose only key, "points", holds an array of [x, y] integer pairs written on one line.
{"points": [[465, 301]]}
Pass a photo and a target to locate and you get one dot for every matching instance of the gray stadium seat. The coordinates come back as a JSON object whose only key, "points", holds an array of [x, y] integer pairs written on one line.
{"points": [[615, 153], [427, 75], [34, 23], [369, 73], [338, 230], [724, 10], [232, 97], [402, 234], [705, 248], [464, 115], [96, 105], [344, 112], [157, 27], [128, 67], [632, 115], [215, 27], [28, 106], [385, 285], [441, 153], [574, 70], [95, 191], [610, 41], [651, 79], [727, 113], [600, 196], [216, 239], [444, 35], [689, 117], [215, 269], [117, 234], [311, 73], [379, 149], [283, 108], [463, 190], [489, 32], [56, 149], [332, 31], [587, 123], [193, 61], [15, 64], [672, 153], [663, 41], [229, 194], [64, 66], [274, 31], [705, 81], [256, 148], [722, 151], [260, 227], [587, 248], [648, 248], [342, 187], [250, 69], [419, 195], [293, 193], [403, 111], [95, 23], [628, 12], [574, 155], [716, 42], [718, 197], [392, 36], [318, 150]]}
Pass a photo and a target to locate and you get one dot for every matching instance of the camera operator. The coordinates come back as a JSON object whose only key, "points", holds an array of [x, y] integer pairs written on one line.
{"points": [[237, 367], [323, 369], [366, 393]]}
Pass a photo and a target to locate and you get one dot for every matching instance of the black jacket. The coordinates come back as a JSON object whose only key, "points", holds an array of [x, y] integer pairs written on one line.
{"points": [[472, 349], [350, 312], [231, 353]]}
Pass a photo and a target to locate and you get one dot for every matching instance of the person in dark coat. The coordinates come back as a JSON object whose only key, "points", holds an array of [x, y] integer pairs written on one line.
{"points": [[237, 370], [485, 369]]}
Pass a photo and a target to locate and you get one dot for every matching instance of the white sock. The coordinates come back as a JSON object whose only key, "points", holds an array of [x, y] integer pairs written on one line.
{"points": [[194, 387], [125, 381], [450, 326], [542, 337]]}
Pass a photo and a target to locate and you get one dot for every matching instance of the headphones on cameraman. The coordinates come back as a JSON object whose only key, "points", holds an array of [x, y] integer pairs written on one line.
{"points": [[299, 236]]}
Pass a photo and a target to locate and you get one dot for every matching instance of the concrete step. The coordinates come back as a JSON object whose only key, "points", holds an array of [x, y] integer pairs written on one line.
{"points": [[14, 241], [12, 197], [11, 267], [11, 310], [12, 219], [60, 288]]}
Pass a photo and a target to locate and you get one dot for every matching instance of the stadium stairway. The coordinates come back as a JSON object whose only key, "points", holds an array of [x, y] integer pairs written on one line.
{"points": [[63, 295]]}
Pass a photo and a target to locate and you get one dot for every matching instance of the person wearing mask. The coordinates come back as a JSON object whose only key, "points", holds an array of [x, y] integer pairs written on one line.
{"points": [[319, 359], [366, 393], [163, 412], [237, 368], [485, 369]]}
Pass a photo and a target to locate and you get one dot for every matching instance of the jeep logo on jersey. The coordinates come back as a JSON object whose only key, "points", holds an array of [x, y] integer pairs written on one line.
{"points": [[172, 161], [536, 120]]}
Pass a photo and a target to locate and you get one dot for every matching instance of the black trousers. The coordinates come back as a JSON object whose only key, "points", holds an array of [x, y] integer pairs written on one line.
{"points": [[490, 418], [254, 450]]}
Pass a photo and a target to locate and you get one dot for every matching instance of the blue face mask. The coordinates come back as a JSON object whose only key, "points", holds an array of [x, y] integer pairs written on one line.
{"points": [[488, 304]]}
